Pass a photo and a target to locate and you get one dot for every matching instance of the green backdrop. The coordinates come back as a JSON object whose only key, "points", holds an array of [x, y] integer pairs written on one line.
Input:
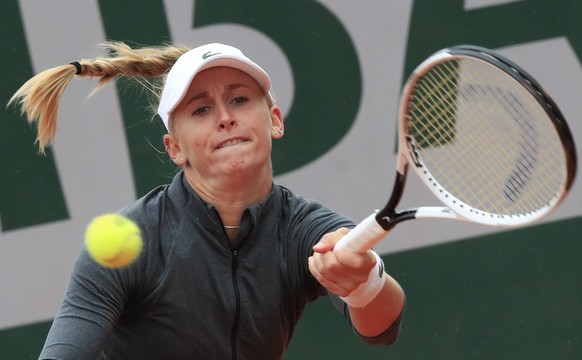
{"points": [[509, 295]]}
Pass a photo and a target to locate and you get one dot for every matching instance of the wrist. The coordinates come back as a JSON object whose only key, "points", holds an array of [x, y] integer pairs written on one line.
{"points": [[367, 291]]}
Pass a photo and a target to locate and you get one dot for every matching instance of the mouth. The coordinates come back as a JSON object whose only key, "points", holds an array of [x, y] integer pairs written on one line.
{"points": [[230, 142]]}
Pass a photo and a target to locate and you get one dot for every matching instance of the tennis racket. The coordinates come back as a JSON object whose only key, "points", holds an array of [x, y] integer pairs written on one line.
{"points": [[484, 137]]}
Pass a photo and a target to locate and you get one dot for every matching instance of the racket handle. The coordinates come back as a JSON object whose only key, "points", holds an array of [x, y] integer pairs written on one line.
{"points": [[363, 237]]}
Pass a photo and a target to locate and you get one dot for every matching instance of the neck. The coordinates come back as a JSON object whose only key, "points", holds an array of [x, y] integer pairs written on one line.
{"points": [[232, 195]]}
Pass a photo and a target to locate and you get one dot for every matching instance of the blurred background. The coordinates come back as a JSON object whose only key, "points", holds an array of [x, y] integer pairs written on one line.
{"points": [[473, 292]]}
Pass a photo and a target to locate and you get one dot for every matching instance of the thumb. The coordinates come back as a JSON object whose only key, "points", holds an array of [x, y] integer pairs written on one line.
{"points": [[327, 241], [323, 246]]}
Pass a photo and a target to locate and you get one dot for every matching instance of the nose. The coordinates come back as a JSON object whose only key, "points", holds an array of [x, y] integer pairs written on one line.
{"points": [[225, 119], [227, 124]]}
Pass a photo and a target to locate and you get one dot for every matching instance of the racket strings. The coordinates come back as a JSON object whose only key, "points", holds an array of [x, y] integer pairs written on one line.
{"points": [[426, 129], [485, 139], [436, 113], [518, 173], [527, 144]]}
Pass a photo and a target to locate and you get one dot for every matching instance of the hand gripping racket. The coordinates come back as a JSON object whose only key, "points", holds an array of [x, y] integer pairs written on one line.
{"points": [[484, 137]]}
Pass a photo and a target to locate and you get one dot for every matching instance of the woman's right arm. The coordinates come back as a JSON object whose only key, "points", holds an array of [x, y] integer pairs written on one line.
{"points": [[93, 301]]}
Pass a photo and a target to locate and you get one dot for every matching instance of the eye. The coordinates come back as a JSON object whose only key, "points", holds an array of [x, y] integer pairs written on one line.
{"points": [[239, 100], [201, 110]]}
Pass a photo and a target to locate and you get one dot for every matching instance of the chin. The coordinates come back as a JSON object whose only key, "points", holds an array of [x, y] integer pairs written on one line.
{"points": [[237, 166], [252, 168]]}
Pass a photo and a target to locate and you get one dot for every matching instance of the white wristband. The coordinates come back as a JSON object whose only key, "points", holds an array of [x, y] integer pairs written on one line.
{"points": [[367, 291]]}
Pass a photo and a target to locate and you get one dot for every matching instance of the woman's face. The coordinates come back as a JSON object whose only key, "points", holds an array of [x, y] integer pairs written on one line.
{"points": [[223, 126]]}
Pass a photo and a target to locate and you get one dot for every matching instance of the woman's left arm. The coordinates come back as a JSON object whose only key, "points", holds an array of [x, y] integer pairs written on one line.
{"points": [[341, 272]]}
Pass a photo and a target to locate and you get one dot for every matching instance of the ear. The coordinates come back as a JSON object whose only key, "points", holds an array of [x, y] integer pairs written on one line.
{"points": [[174, 150], [277, 124]]}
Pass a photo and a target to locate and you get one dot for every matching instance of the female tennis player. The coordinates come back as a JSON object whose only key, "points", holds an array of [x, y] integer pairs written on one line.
{"points": [[230, 259]]}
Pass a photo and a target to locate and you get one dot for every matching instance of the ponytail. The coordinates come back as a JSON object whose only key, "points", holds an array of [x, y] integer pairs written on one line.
{"points": [[40, 96]]}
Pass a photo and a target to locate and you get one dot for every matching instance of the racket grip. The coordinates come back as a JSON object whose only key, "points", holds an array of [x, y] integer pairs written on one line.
{"points": [[363, 237]]}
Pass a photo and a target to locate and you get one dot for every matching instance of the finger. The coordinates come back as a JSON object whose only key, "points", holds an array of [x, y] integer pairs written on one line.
{"points": [[330, 285], [327, 241], [363, 262], [328, 268]]}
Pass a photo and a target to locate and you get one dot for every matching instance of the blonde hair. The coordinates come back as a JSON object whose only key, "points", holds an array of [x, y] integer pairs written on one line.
{"points": [[39, 97]]}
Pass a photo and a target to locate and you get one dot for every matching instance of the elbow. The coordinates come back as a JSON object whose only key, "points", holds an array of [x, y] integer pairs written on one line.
{"points": [[388, 337]]}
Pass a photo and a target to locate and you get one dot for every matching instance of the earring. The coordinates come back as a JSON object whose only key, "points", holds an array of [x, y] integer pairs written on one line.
{"points": [[278, 132]]}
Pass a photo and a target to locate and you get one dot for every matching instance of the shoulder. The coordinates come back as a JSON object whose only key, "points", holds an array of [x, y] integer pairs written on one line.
{"points": [[307, 218], [159, 214], [292, 200], [160, 203], [299, 206]]}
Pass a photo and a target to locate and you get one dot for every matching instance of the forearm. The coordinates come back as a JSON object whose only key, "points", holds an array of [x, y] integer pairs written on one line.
{"points": [[87, 314], [375, 301], [73, 337], [378, 315]]}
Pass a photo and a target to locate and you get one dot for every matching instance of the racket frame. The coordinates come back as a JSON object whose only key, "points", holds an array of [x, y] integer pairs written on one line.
{"points": [[375, 227], [409, 156]]}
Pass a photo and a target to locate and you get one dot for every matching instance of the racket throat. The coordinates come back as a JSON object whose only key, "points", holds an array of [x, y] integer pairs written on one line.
{"points": [[387, 218], [387, 222]]}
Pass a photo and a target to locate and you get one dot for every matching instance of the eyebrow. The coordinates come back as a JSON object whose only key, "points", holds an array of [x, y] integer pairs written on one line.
{"points": [[203, 94]]}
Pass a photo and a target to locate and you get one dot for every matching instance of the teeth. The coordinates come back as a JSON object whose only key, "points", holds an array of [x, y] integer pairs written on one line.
{"points": [[232, 142]]}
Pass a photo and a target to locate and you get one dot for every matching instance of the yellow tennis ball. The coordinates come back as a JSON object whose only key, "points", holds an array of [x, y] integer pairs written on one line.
{"points": [[113, 240]]}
